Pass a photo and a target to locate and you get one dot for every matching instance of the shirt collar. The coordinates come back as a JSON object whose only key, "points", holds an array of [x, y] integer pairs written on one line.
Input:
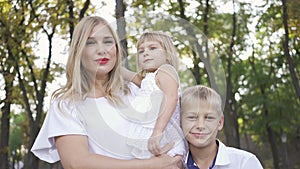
{"points": [[223, 156], [190, 163]]}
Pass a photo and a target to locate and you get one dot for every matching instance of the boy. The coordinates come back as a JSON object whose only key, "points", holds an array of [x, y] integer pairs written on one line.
{"points": [[202, 118]]}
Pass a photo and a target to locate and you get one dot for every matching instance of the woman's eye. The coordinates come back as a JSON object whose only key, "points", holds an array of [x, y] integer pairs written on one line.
{"points": [[109, 42], [89, 42], [140, 51]]}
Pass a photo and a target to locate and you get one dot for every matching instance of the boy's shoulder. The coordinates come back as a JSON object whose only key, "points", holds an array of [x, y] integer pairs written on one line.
{"points": [[233, 152], [237, 158]]}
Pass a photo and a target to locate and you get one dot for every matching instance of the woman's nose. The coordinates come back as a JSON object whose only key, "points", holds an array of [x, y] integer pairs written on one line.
{"points": [[102, 50]]}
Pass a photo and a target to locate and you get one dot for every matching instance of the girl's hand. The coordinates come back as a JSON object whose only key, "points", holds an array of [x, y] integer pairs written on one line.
{"points": [[154, 143]]}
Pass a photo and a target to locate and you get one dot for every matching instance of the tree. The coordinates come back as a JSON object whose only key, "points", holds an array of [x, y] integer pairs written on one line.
{"points": [[8, 53], [31, 79], [48, 25], [231, 125], [286, 49], [121, 27]]}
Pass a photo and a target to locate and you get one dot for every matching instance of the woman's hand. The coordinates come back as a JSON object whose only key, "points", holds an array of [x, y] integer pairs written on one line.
{"points": [[74, 153], [166, 162]]}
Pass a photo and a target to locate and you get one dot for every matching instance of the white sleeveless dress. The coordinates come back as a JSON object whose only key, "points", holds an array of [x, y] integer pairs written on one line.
{"points": [[147, 103]]}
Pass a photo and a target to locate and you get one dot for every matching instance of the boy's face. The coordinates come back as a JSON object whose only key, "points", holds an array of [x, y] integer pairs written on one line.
{"points": [[200, 123]]}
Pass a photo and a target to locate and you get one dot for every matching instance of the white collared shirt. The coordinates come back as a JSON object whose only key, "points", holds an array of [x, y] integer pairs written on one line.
{"points": [[233, 158]]}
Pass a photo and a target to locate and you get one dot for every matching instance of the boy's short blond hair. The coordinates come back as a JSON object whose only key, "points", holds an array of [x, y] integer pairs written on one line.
{"points": [[198, 94]]}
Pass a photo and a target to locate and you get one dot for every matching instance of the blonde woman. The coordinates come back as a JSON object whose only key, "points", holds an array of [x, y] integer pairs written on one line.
{"points": [[83, 127]]}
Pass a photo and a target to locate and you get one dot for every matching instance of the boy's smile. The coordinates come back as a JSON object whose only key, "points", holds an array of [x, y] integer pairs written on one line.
{"points": [[200, 123]]}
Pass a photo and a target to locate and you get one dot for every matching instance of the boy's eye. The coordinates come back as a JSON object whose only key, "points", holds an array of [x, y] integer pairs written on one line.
{"points": [[153, 48], [192, 117], [210, 117]]}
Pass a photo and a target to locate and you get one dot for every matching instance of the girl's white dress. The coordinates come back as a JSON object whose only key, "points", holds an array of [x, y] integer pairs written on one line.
{"points": [[146, 104]]}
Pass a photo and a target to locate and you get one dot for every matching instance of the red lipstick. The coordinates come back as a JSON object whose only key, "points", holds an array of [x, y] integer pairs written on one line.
{"points": [[102, 61]]}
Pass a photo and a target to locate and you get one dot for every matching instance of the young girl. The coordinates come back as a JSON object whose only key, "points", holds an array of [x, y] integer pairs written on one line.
{"points": [[83, 127], [157, 98]]}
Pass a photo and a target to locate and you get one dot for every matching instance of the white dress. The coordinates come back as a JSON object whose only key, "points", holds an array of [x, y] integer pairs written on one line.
{"points": [[147, 103]]}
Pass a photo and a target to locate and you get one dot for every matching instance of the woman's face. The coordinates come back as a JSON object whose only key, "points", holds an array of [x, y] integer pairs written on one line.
{"points": [[151, 55], [100, 52], [200, 123]]}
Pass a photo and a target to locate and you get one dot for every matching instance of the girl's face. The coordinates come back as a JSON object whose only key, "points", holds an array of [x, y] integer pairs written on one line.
{"points": [[151, 55], [100, 52], [200, 124]]}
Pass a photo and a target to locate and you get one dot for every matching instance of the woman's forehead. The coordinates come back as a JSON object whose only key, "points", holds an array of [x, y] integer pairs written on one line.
{"points": [[100, 30]]}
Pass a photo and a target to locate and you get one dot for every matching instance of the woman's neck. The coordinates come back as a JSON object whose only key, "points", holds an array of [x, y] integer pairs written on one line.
{"points": [[99, 89]]}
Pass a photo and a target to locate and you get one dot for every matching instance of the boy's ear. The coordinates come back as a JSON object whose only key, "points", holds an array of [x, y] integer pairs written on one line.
{"points": [[221, 123]]}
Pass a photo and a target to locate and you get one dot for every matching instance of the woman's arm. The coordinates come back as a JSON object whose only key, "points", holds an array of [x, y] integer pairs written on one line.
{"points": [[167, 80], [74, 154]]}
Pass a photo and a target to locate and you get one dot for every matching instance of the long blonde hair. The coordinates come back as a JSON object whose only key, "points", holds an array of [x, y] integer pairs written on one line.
{"points": [[165, 41], [78, 82]]}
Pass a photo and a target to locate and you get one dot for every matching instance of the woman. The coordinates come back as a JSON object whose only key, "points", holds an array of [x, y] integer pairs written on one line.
{"points": [[83, 128]]}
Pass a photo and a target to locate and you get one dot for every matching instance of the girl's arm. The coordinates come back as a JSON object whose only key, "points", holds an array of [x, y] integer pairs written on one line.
{"points": [[131, 76], [168, 81], [73, 152]]}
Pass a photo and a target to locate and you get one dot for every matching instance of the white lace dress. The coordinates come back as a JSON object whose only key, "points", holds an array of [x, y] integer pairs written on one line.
{"points": [[147, 104]]}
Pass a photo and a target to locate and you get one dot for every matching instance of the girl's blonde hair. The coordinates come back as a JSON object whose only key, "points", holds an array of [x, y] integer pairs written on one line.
{"points": [[199, 94], [165, 41], [79, 83]]}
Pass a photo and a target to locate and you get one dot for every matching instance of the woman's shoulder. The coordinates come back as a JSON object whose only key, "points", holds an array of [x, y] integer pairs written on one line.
{"points": [[59, 103]]}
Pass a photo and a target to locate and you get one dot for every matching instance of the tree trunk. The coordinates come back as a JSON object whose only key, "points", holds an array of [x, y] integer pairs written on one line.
{"points": [[230, 120], [83, 10], [4, 134], [286, 50], [269, 130], [273, 145], [31, 161], [121, 28], [231, 124], [70, 5]]}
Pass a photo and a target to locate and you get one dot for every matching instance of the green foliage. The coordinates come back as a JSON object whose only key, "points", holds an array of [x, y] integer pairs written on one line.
{"points": [[19, 127], [261, 83]]}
